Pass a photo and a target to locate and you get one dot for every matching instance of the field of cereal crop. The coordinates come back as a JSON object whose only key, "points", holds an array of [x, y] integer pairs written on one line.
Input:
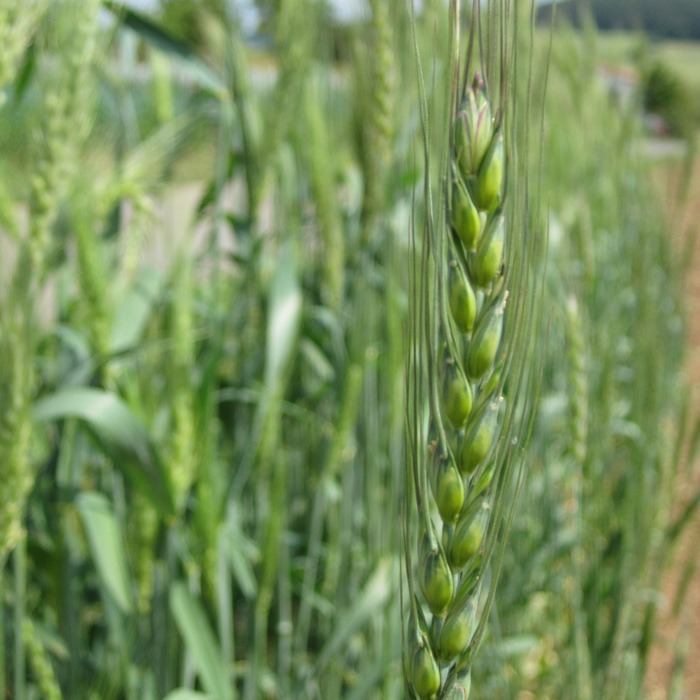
{"points": [[341, 361]]}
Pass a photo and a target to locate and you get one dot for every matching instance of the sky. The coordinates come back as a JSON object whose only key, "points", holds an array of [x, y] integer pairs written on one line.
{"points": [[344, 9]]}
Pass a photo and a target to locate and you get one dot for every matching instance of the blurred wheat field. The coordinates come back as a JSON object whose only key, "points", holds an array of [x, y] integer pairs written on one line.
{"points": [[683, 213], [206, 304]]}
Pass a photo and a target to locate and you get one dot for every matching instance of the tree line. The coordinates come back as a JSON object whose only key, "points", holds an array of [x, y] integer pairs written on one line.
{"points": [[677, 19]]}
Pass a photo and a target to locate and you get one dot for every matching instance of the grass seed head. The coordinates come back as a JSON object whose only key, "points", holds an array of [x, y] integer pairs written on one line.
{"points": [[473, 128], [456, 394], [489, 255], [457, 629], [477, 439], [458, 686], [435, 578], [462, 299], [465, 219], [448, 488], [484, 345], [490, 180], [425, 672], [484, 481], [467, 538]]}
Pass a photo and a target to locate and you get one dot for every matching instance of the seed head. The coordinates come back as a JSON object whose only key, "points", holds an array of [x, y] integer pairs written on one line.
{"points": [[462, 299], [477, 439], [457, 628], [489, 255], [473, 128], [490, 179], [448, 488], [484, 346], [467, 538], [465, 219], [458, 686], [456, 394], [435, 578], [425, 672]]}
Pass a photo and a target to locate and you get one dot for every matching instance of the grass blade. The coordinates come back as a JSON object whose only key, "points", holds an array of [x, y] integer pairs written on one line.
{"points": [[177, 50], [372, 598], [199, 640], [106, 546], [120, 432], [283, 318]]}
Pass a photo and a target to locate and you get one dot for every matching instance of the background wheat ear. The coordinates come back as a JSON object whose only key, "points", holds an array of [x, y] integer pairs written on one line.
{"points": [[475, 307]]}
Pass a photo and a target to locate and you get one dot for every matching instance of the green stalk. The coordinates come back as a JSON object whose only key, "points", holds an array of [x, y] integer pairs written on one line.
{"points": [[347, 414], [225, 614], [20, 571], [272, 481], [284, 644], [67, 477], [3, 678]]}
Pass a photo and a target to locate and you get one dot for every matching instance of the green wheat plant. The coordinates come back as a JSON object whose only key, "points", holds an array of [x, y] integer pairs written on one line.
{"points": [[473, 324], [598, 521], [271, 352]]}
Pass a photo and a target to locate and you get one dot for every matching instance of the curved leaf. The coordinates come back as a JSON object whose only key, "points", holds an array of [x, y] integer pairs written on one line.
{"points": [[120, 433], [178, 50], [106, 545], [284, 314], [133, 313], [199, 639], [182, 694]]}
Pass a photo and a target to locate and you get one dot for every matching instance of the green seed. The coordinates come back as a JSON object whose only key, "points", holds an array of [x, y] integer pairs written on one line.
{"points": [[465, 216], [454, 637], [457, 629], [489, 256], [425, 672], [483, 483], [488, 184], [473, 128], [484, 345], [467, 538], [448, 487], [462, 299], [436, 578], [458, 686], [477, 440], [490, 386], [456, 394]]}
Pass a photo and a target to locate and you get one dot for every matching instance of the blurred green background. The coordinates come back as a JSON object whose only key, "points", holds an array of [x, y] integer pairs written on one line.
{"points": [[204, 215]]}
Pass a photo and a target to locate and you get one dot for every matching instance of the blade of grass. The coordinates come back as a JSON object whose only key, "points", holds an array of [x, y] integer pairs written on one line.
{"points": [[119, 431], [375, 594], [177, 50], [199, 640], [106, 546], [20, 572]]}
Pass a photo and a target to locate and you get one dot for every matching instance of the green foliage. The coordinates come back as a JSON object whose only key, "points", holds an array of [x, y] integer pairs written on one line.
{"points": [[679, 19], [186, 19], [202, 451], [665, 94], [592, 537]]}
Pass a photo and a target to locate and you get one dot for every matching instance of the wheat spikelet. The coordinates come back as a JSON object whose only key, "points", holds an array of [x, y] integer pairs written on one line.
{"points": [[322, 176], [18, 21], [67, 119], [378, 121], [40, 662], [182, 452], [473, 306], [577, 381], [17, 335]]}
